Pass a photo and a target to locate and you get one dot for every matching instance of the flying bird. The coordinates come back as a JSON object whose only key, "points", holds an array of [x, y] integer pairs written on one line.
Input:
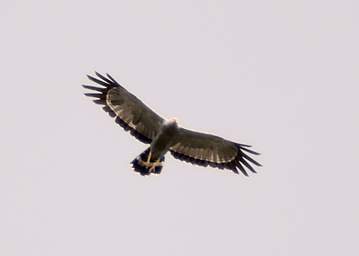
{"points": [[166, 135]]}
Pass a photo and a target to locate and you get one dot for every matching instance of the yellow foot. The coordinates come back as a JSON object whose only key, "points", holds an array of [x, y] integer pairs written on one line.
{"points": [[154, 165], [151, 166]]}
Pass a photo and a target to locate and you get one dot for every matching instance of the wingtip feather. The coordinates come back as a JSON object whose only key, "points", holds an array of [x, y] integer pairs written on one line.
{"points": [[241, 168], [103, 78], [94, 88], [98, 81], [250, 151], [111, 78], [251, 160]]}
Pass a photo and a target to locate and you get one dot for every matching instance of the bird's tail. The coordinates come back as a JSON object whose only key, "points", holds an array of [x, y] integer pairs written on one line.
{"points": [[140, 164]]}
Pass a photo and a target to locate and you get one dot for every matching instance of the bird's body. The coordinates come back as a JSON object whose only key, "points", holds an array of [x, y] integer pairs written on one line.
{"points": [[150, 161], [166, 135], [165, 139]]}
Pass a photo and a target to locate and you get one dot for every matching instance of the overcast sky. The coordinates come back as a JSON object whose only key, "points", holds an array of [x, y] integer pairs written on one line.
{"points": [[279, 75]]}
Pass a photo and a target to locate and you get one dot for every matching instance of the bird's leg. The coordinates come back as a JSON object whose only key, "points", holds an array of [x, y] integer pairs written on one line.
{"points": [[149, 158], [147, 163], [151, 166]]}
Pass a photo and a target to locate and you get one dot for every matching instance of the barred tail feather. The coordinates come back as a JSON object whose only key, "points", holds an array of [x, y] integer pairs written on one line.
{"points": [[139, 164]]}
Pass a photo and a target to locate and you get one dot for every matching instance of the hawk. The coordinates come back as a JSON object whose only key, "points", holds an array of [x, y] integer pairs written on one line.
{"points": [[166, 135]]}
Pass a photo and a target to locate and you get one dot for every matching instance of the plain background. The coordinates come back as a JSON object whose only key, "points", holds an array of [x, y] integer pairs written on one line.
{"points": [[279, 75]]}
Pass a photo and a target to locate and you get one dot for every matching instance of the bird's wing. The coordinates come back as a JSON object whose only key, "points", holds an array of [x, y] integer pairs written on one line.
{"points": [[209, 150], [129, 112]]}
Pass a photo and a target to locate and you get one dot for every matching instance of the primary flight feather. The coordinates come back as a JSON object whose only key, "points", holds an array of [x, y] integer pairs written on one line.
{"points": [[165, 135]]}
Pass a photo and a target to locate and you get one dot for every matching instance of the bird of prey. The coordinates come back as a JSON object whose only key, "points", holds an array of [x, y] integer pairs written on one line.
{"points": [[166, 135]]}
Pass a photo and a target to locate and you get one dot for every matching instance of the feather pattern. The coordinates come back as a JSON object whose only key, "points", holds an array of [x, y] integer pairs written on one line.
{"points": [[209, 150], [129, 112]]}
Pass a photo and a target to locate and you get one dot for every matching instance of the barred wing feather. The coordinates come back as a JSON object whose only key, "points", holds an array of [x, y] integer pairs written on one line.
{"points": [[129, 112], [210, 150]]}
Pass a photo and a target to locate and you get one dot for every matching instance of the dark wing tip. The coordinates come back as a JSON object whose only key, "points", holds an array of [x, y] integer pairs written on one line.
{"points": [[250, 151], [250, 159], [96, 95], [234, 165], [244, 145], [103, 78], [100, 102], [100, 82], [244, 162], [106, 81], [238, 164], [94, 88], [113, 80], [243, 159]]}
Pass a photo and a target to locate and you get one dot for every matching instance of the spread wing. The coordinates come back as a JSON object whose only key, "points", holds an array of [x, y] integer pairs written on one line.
{"points": [[209, 150], [129, 112]]}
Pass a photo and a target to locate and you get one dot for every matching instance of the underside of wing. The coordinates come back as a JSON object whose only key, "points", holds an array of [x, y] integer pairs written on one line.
{"points": [[209, 150], [129, 112]]}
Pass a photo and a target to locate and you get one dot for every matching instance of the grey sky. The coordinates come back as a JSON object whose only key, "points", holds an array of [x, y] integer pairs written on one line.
{"points": [[279, 75]]}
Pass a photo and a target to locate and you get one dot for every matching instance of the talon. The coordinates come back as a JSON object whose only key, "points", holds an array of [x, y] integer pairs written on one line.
{"points": [[150, 166], [154, 165]]}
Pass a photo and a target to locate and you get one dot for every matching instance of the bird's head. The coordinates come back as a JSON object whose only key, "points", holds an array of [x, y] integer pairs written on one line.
{"points": [[171, 122]]}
